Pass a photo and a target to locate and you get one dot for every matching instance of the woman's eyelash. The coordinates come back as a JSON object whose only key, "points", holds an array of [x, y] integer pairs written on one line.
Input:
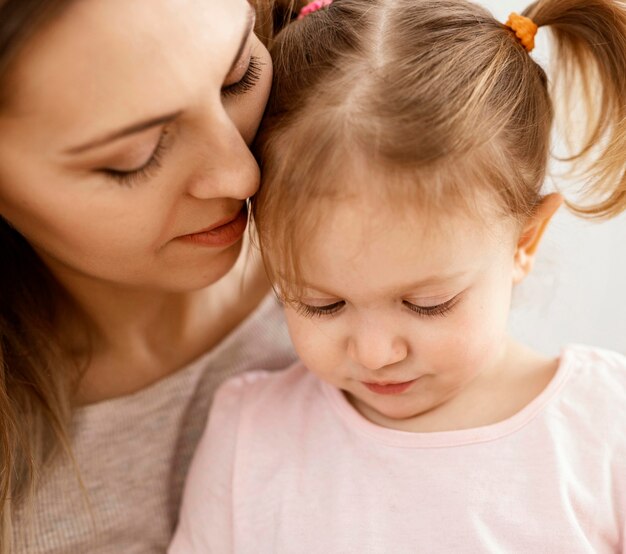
{"points": [[129, 178], [248, 81], [438, 310], [311, 311]]}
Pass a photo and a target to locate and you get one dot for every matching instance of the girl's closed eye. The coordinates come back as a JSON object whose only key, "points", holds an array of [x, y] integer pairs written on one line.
{"points": [[308, 310], [440, 309]]}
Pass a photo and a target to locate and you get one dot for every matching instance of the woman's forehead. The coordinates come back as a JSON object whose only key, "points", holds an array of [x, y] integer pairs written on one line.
{"points": [[121, 59]]}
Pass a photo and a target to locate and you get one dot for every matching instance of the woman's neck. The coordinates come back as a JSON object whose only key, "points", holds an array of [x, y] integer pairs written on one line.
{"points": [[141, 336]]}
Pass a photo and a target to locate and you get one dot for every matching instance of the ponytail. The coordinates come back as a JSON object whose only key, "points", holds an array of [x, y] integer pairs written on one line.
{"points": [[590, 56]]}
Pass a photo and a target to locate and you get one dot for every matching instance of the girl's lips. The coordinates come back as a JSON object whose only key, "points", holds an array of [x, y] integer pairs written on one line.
{"points": [[389, 388], [224, 234]]}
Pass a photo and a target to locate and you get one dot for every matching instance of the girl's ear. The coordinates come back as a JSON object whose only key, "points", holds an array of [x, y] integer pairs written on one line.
{"points": [[531, 234]]}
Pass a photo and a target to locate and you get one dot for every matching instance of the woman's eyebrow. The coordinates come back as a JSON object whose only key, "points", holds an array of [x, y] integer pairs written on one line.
{"points": [[131, 129], [161, 120], [248, 29]]}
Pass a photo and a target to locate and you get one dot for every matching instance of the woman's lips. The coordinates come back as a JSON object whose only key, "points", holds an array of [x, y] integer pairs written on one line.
{"points": [[223, 234], [389, 388]]}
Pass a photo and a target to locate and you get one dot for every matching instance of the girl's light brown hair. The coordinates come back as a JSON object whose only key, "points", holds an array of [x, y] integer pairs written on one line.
{"points": [[442, 94], [39, 370]]}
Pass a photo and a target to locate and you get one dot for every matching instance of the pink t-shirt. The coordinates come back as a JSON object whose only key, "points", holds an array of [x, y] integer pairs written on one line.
{"points": [[286, 465]]}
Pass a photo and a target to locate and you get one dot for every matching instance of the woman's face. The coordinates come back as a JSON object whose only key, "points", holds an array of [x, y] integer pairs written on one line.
{"points": [[124, 144]]}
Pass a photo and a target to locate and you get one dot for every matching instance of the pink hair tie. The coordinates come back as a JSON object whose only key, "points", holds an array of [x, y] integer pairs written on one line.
{"points": [[313, 7]]}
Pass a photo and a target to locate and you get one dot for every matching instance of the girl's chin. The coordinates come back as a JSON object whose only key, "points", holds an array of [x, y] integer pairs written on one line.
{"points": [[388, 410]]}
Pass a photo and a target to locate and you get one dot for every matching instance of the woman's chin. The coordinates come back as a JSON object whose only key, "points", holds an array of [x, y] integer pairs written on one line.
{"points": [[196, 274]]}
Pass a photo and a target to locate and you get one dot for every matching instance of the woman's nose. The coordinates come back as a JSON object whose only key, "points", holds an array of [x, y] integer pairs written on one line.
{"points": [[226, 168], [374, 347]]}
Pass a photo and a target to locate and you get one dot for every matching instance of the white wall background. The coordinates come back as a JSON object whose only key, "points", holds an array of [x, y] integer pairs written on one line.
{"points": [[577, 291]]}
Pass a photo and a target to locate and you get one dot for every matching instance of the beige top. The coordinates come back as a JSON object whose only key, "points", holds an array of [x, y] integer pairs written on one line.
{"points": [[134, 452]]}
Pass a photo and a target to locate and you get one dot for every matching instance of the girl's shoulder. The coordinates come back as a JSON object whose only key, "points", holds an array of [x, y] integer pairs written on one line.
{"points": [[267, 396], [266, 382], [594, 361], [595, 377]]}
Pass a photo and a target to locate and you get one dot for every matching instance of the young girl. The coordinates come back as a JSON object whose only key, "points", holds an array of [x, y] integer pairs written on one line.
{"points": [[404, 151]]}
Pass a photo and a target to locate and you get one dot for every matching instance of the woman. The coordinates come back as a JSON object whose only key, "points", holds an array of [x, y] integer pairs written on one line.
{"points": [[124, 171]]}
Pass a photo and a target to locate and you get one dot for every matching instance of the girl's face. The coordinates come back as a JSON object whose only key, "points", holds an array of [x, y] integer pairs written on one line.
{"points": [[124, 145], [404, 313]]}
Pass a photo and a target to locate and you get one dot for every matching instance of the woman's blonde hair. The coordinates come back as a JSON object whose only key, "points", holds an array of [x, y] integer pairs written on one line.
{"points": [[39, 369], [440, 92]]}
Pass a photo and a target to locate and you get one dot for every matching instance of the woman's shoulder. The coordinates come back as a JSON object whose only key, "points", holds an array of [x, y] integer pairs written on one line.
{"points": [[259, 341]]}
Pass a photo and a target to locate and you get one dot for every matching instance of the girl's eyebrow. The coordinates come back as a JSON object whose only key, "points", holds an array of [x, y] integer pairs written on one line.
{"points": [[422, 283], [435, 280]]}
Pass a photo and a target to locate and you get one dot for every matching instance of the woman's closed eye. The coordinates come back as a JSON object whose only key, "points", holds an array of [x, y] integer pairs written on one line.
{"points": [[248, 81], [129, 177]]}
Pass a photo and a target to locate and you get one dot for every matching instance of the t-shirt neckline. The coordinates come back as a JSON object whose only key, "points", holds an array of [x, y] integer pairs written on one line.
{"points": [[445, 439]]}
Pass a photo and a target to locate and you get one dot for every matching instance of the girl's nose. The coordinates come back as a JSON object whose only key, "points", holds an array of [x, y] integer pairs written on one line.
{"points": [[374, 347]]}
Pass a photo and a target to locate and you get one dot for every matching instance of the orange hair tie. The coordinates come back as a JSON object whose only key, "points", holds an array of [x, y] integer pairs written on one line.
{"points": [[524, 28]]}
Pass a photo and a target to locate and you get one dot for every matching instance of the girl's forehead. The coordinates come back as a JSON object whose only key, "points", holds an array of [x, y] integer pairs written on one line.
{"points": [[383, 247], [376, 206]]}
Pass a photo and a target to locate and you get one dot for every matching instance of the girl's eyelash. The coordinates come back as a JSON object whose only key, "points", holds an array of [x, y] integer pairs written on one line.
{"points": [[129, 178], [438, 310], [319, 311], [248, 81], [331, 309]]}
